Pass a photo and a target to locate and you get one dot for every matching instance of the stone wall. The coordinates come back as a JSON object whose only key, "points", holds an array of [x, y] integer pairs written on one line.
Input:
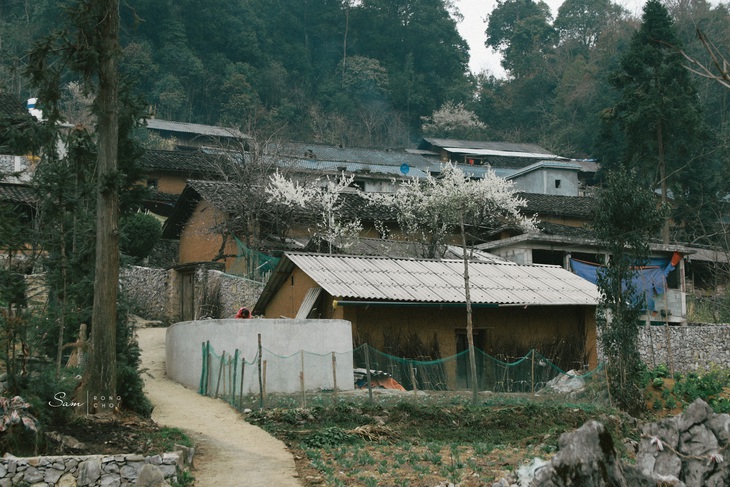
{"points": [[232, 292], [693, 347], [148, 290], [155, 293], [91, 470]]}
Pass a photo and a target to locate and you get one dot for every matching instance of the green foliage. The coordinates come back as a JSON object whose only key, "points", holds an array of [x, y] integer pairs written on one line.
{"points": [[139, 233], [328, 437], [130, 386], [625, 221]]}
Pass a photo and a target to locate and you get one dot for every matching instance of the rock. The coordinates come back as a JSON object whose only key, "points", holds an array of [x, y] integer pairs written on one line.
{"points": [[68, 442], [89, 472], [565, 384], [110, 480], [52, 475], [526, 473], [587, 458], [66, 480], [32, 475], [150, 476]]}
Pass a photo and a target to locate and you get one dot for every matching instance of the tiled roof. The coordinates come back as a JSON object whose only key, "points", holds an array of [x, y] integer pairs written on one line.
{"points": [[435, 281], [177, 161], [193, 128], [11, 107], [16, 193], [555, 205], [386, 157]]}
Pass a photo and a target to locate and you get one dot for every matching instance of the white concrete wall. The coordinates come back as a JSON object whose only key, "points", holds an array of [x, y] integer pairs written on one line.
{"points": [[282, 341]]}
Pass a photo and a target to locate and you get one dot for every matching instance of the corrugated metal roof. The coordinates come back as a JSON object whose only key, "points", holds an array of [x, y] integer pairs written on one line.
{"points": [[441, 281], [483, 144], [569, 166], [501, 153], [193, 128]]}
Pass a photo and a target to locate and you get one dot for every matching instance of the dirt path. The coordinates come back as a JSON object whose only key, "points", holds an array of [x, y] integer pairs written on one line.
{"points": [[230, 451]]}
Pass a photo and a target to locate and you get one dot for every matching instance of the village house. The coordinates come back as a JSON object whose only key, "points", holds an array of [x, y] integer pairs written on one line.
{"points": [[391, 301]]}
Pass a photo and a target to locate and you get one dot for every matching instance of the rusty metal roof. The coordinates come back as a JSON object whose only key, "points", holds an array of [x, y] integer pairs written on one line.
{"points": [[442, 281]]}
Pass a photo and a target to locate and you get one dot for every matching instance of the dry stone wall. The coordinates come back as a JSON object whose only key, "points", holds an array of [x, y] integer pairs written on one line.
{"points": [[692, 347], [91, 470], [148, 290], [155, 294]]}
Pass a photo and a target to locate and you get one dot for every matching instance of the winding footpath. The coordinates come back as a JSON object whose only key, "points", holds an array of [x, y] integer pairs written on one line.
{"points": [[229, 451]]}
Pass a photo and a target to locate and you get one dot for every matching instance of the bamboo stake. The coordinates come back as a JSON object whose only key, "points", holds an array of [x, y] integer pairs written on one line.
{"points": [[202, 371], [207, 380], [301, 380], [334, 375], [533, 372], [240, 389], [231, 384], [261, 384], [235, 373], [220, 372], [263, 391], [413, 379]]}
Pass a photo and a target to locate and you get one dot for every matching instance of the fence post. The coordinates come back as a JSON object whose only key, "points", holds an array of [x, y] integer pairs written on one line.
{"points": [[413, 379], [263, 390], [301, 380], [202, 370], [220, 371], [207, 379], [235, 373], [240, 389], [261, 383], [231, 383], [533, 372], [334, 375], [367, 372]]}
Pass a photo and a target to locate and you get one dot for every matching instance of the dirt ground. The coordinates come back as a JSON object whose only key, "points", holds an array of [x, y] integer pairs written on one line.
{"points": [[230, 452]]}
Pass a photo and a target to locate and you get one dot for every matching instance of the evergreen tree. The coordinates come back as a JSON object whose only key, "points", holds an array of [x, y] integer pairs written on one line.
{"points": [[657, 123], [626, 219]]}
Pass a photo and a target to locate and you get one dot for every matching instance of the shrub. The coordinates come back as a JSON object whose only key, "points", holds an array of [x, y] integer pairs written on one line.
{"points": [[139, 234]]}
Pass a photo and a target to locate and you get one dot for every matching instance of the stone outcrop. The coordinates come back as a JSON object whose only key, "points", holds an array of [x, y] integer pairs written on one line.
{"points": [[685, 451], [94, 470]]}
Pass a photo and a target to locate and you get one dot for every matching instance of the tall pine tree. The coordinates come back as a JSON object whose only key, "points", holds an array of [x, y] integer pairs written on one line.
{"points": [[656, 127]]}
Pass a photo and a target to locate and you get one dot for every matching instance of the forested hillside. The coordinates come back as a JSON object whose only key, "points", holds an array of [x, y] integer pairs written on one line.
{"points": [[364, 73]]}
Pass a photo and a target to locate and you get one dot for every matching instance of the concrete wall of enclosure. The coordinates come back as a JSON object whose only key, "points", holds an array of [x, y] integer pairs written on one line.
{"points": [[289, 348]]}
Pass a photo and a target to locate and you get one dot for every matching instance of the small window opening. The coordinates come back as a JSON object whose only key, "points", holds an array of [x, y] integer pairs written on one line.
{"points": [[557, 183]]}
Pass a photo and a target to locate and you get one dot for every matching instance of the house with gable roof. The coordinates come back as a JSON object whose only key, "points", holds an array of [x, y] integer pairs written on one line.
{"points": [[515, 307]]}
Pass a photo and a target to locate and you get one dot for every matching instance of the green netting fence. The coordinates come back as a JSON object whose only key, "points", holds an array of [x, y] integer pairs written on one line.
{"points": [[235, 378], [252, 264]]}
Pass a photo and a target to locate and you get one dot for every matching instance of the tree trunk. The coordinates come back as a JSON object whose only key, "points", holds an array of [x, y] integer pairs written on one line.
{"points": [[663, 177], [469, 320], [100, 373]]}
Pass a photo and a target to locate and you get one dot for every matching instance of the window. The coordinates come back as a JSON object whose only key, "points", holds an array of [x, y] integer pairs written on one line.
{"points": [[557, 183]]}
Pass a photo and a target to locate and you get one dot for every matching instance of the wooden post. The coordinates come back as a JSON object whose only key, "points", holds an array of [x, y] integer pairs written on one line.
{"points": [[263, 391], [231, 383], [220, 372], [207, 379], [334, 375], [235, 373], [367, 372], [261, 383], [533, 371], [413, 379], [301, 381], [240, 389], [202, 371]]}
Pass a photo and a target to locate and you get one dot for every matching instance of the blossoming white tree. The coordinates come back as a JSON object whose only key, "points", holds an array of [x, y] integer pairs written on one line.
{"points": [[324, 202], [435, 210]]}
